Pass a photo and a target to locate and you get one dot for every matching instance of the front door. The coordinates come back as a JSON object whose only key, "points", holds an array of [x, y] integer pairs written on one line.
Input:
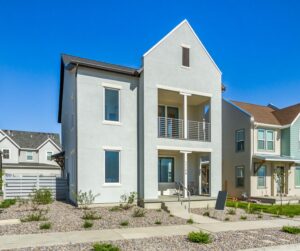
{"points": [[165, 169], [279, 179]]}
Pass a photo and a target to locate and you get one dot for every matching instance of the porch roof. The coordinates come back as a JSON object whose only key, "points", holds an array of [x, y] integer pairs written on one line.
{"points": [[277, 158]]}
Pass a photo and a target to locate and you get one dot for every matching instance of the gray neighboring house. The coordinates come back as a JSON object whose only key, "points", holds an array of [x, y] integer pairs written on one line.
{"points": [[146, 129], [29, 152], [261, 151]]}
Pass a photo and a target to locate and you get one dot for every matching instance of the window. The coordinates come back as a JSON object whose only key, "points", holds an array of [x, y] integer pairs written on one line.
{"points": [[112, 166], [297, 176], [165, 169], [240, 140], [186, 56], [265, 140], [6, 153], [261, 177], [29, 155], [49, 154], [240, 176], [111, 104], [299, 140]]}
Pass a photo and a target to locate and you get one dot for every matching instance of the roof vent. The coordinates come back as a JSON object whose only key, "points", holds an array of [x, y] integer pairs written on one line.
{"points": [[273, 106]]}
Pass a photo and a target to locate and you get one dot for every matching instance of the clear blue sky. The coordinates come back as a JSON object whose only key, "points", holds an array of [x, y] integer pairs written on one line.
{"points": [[255, 43]]}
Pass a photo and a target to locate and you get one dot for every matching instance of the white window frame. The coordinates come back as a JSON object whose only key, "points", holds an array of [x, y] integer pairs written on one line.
{"points": [[296, 167], [265, 131], [187, 47], [266, 138], [27, 154], [47, 155], [237, 141], [115, 149], [115, 88], [8, 153], [265, 178], [236, 177], [299, 140]]}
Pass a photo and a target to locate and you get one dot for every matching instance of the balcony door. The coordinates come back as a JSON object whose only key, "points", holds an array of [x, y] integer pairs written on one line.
{"points": [[168, 125]]}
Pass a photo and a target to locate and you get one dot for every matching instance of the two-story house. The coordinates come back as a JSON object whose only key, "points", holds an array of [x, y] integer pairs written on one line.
{"points": [[145, 129], [29, 152], [261, 149]]}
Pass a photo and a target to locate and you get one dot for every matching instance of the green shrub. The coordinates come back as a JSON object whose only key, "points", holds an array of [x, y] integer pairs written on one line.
{"points": [[127, 200], [40, 216], [87, 224], [158, 210], [42, 197], [90, 215], [7, 203], [46, 225], [291, 230], [157, 222], [139, 212], [206, 213], [231, 211], [259, 216], [227, 219], [190, 221], [85, 199], [243, 217], [104, 247], [171, 215], [199, 237], [115, 209], [124, 223]]}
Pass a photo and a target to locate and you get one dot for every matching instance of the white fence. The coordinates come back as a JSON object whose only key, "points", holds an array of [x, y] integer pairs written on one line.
{"points": [[22, 186]]}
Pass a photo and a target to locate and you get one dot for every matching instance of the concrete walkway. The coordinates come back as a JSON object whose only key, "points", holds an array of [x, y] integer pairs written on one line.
{"points": [[63, 238], [294, 247]]}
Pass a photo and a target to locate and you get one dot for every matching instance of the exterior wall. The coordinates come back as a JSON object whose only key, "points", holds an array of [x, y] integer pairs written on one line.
{"points": [[94, 135], [293, 190], [267, 190], [14, 151], [286, 142], [23, 156], [234, 119], [48, 147], [35, 171], [68, 131], [162, 66], [277, 138], [295, 139]]}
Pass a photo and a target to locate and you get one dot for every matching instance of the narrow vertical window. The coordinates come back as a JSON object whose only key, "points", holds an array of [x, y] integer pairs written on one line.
{"points": [[240, 176], [186, 56], [111, 104], [270, 140], [261, 177], [29, 156], [49, 154], [261, 139], [112, 166], [240, 140], [165, 169], [297, 176], [6, 153]]}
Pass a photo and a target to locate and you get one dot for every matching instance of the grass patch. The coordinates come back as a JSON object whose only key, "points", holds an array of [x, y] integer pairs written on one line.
{"points": [[87, 224], [7, 203], [124, 223], [157, 222], [286, 210], [46, 225], [105, 247], [291, 230], [90, 215], [139, 212], [231, 211], [243, 217], [190, 221], [199, 237], [115, 209]]}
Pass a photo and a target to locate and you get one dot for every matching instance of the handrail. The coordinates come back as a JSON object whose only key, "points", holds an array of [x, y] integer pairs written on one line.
{"points": [[188, 192]]}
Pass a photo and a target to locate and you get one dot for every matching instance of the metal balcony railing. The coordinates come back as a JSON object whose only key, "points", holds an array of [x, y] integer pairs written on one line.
{"points": [[174, 128]]}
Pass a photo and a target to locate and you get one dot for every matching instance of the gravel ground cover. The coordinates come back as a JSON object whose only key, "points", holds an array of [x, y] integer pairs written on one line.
{"points": [[226, 216], [221, 241], [65, 217]]}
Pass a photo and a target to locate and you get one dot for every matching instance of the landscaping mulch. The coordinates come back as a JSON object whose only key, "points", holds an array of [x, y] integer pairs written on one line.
{"points": [[221, 241], [222, 215], [65, 217]]}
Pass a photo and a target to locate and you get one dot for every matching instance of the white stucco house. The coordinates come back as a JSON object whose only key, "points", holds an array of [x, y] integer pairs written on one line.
{"points": [[29, 153], [150, 130]]}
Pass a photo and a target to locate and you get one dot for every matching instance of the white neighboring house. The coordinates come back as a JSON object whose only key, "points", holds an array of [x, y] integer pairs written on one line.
{"points": [[29, 152], [146, 129]]}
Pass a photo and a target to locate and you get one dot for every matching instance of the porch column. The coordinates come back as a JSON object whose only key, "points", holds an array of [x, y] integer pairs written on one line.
{"points": [[185, 172], [185, 113]]}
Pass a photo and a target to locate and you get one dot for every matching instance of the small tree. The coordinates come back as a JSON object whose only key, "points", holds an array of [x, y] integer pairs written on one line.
{"points": [[279, 178], [127, 200]]}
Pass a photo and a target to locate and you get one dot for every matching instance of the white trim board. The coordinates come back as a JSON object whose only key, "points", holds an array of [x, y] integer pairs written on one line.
{"points": [[180, 90], [184, 149]]}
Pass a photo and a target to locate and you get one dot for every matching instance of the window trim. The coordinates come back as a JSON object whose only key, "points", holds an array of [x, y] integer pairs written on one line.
{"points": [[8, 153], [170, 157], [115, 88], [183, 46], [236, 168], [47, 155], [296, 167], [236, 142], [112, 149], [265, 140], [27, 154], [265, 178]]}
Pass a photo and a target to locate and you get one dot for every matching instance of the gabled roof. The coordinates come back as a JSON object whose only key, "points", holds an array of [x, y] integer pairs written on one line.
{"points": [[31, 140], [270, 114]]}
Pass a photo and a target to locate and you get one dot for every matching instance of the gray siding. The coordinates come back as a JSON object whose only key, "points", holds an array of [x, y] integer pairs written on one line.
{"points": [[295, 143], [286, 142]]}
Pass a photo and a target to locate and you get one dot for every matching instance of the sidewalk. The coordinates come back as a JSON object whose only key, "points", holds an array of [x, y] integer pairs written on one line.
{"points": [[62, 238], [294, 247]]}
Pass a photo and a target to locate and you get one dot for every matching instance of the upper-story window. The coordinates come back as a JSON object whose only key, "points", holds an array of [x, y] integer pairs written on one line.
{"points": [[112, 109], [265, 140], [49, 154], [29, 156], [185, 56], [6, 154], [240, 140]]}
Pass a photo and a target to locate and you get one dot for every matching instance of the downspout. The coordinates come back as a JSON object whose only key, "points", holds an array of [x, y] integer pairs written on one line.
{"points": [[76, 131]]}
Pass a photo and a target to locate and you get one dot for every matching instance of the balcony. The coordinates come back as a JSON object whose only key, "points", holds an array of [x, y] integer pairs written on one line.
{"points": [[174, 129]]}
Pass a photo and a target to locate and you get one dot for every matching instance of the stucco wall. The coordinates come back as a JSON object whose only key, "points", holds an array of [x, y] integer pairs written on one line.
{"points": [[23, 156], [94, 135], [48, 147], [13, 151], [277, 138], [295, 139]]}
